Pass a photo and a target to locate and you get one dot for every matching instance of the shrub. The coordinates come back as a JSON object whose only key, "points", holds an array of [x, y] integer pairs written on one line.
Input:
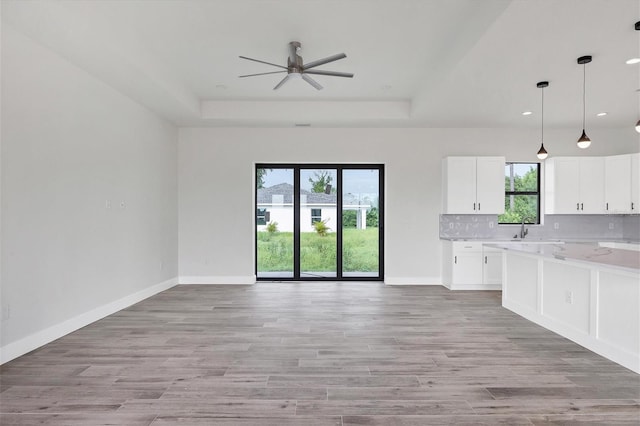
{"points": [[321, 228], [272, 227]]}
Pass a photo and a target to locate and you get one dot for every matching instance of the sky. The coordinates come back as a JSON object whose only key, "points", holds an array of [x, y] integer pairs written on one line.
{"points": [[359, 181]]}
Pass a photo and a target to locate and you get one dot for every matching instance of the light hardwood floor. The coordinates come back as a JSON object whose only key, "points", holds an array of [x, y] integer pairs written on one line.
{"points": [[316, 354]]}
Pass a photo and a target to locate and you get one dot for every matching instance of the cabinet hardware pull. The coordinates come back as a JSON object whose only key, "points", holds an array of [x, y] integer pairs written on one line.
{"points": [[577, 206], [607, 206], [478, 206], [474, 206], [581, 206], [455, 259], [485, 260]]}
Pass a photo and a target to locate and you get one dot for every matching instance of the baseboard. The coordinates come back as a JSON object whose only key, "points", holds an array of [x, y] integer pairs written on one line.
{"points": [[413, 281], [217, 280], [455, 287], [41, 338]]}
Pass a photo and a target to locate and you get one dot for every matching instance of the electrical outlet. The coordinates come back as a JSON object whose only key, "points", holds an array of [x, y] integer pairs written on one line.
{"points": [[568, 297], [556, 225]]}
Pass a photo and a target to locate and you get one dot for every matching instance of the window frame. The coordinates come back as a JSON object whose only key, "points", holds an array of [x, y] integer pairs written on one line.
{"points": [[261, 216], [317, 217], [515, 193]]}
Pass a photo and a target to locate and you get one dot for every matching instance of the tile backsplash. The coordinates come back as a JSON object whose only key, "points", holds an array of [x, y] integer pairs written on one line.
{"points": [[599, 227]]}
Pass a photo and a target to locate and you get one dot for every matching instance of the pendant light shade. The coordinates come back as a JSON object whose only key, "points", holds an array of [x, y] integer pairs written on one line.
{"points": [[584, 141], [542, 153], [638, 126]]}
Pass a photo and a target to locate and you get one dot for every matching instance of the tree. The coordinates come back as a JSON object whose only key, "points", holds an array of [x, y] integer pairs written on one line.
{"points": [[521, 206], [320, 181], [372, 218], [260, 174]]}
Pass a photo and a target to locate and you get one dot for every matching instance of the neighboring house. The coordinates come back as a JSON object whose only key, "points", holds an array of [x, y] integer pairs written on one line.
{"points": [[275, 204]]}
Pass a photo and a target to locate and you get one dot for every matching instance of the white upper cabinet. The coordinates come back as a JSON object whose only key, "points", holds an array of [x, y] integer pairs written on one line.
{"points": [[617, 182], [473, 185], [574, 185]]}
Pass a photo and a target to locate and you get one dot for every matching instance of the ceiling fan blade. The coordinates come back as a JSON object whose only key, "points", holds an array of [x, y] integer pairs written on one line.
{"points": [[262, 62], [311, 81], [283, 81], [262, 73], [331, 73], [324, 61]]}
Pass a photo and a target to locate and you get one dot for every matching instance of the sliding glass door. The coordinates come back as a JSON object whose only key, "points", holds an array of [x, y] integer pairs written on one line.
{"points": [[319, 222]]}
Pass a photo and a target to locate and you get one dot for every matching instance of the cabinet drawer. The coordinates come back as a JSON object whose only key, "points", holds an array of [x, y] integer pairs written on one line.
{"points": [[467, 246]]}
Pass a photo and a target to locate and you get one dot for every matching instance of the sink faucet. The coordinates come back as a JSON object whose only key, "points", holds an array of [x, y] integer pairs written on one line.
{"points": [[523, 231]]}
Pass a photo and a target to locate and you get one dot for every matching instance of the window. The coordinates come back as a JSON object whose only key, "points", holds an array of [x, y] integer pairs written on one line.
{"points": [[262, 216], [316, 215], [522, 193]]}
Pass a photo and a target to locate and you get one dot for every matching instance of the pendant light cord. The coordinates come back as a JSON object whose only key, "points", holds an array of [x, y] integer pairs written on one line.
{"points": [[584, 90], [542, 130]]}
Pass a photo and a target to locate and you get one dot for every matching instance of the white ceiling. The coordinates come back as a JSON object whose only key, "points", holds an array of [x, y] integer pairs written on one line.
{"points": [[417, 63]]}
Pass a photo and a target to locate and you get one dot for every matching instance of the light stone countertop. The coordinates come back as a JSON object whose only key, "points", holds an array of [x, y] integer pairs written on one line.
{"points": [[592, 253]]}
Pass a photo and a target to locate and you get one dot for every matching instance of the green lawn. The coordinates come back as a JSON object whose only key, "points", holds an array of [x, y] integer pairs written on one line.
{"points": [[360, 251]]}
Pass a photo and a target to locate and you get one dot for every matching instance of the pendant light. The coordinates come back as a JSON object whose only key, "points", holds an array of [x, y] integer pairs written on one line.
{"points": [[637, 26], [542, 153], [584, 140]]}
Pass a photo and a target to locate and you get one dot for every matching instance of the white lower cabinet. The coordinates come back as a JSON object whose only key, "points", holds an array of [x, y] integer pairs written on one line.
{"points": [[467, 265]]}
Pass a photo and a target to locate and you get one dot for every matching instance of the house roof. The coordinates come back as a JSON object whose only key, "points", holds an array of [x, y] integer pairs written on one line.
{"points": [[265, 196]]}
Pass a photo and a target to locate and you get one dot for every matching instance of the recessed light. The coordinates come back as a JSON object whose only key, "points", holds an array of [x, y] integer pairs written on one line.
{"points": [[527, 113], [601, 114], [633, 61]]}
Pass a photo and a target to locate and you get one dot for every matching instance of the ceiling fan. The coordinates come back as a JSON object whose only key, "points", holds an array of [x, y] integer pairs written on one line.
{"points": [[296, 68]]}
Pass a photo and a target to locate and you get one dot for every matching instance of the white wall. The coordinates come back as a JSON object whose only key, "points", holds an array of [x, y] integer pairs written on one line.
{"points": [[216, 167], [69, 144]]}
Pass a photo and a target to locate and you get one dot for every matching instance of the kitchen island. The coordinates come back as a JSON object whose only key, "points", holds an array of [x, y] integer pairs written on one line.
{"points": [[586, 292]]}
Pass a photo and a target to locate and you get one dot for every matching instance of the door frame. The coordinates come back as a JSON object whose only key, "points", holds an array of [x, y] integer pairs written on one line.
{"points": [[339, 167]]}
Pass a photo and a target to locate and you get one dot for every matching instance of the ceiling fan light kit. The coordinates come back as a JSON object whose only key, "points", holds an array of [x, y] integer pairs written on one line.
{"points": [[584, 141], [296, 68]]}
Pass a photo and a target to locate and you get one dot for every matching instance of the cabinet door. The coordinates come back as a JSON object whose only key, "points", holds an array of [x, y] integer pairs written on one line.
{"points": [[467, 268], [565, 186], [592, 185], [490, 185], [459, 185], [492, 266], [617, 180], [635, 183]]}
